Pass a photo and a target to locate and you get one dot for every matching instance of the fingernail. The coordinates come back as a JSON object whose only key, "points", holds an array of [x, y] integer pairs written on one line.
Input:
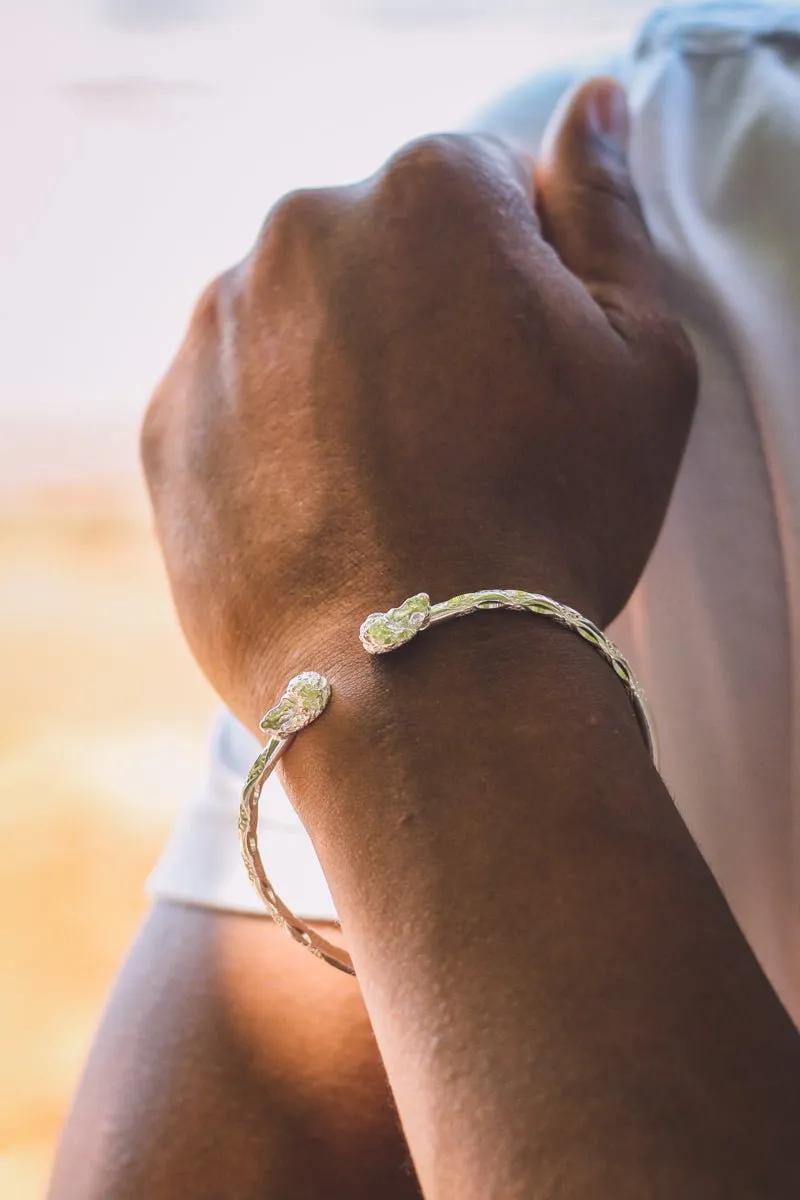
{"points": [[608, 115]]}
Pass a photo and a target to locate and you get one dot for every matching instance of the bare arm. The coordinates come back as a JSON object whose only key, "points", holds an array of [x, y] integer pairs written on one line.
{"points": [[229, 1065], [562, 999], [446, 378]]}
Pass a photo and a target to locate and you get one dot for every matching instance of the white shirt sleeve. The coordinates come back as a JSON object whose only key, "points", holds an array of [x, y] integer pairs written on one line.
{"points": [[202, 863]]}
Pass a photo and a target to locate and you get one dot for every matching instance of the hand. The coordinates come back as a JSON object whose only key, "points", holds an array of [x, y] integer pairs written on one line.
{"points": [[429, 381]]}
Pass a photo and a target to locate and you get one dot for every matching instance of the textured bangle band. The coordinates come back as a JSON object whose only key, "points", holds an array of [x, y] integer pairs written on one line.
{"points": [[307, 695]]}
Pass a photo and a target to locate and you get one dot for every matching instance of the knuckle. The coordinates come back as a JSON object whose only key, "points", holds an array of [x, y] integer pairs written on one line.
{"points": [[432, 167], [431, 152], [297, 207], [295, 216]]}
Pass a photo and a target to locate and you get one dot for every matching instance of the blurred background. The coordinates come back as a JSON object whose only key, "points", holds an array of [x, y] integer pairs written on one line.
{"points": [[141, 143]]}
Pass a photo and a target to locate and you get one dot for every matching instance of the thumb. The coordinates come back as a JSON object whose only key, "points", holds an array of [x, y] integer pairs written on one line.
{"points": [[589, 210]]}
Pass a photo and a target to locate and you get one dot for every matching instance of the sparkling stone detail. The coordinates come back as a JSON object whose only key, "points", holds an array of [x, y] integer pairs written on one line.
{"points": [[304, 699], [382, 632]]}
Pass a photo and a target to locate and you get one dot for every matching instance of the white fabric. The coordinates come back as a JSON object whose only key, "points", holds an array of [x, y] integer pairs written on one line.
{"points": [[202, 863], [713, 627]]}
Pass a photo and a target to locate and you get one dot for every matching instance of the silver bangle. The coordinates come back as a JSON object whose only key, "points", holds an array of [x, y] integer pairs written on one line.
{"points": [[307, 695]]}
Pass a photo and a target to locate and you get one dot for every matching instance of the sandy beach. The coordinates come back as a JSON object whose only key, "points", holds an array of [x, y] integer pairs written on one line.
{"points": [[103, 719]]}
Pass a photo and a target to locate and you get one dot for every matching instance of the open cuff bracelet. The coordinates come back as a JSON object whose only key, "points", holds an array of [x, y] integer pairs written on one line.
{"points": [[307, 695]]}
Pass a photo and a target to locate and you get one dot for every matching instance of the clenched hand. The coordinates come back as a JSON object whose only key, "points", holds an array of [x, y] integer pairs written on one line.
{"points": [[444, 378]]}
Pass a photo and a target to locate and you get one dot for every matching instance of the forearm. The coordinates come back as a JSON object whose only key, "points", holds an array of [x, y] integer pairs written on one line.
{"points": [[563, 1002], [228, 1064]]}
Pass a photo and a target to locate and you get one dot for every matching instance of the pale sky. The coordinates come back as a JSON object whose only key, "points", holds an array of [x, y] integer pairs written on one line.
{"points": [[142, 142]]}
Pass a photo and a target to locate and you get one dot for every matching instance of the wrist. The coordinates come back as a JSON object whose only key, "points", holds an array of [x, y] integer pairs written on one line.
{"points": [[500, 693], [325, 636]]}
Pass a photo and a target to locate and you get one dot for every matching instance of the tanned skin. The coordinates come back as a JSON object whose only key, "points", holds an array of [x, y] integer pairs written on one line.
{"points": [[445, 378]]}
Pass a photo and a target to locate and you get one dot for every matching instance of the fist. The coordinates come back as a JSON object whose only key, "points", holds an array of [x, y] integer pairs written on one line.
{"points": [[449, 377]]}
